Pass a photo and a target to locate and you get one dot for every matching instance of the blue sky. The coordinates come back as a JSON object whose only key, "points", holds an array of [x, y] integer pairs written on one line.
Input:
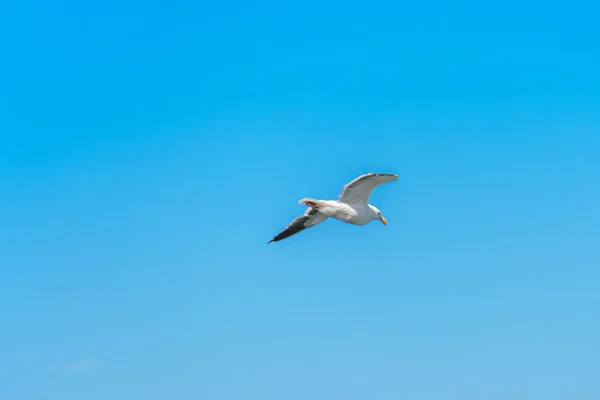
{"points": [[149, 151]]}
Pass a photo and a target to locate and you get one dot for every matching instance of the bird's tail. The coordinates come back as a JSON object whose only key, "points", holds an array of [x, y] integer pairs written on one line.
{"points": [[312, 203]]}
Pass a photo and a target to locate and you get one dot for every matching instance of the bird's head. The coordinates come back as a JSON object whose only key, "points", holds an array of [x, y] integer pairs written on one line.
{"points": [[378, 214]]}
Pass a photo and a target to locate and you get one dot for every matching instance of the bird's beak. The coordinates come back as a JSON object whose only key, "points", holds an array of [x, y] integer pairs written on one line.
{"points": [[383, 220]]}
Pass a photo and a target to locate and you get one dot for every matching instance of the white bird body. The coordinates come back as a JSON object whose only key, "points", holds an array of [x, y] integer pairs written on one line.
{"points": [[356, 214], [352, 207]]}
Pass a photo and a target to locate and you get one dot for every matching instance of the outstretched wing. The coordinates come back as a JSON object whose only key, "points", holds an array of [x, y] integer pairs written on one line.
{"points": [[359, 189], [310, 218]]}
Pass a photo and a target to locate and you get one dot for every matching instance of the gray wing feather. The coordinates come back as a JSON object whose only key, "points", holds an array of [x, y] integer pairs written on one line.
{"points": [[310, 218], [359, 189]]}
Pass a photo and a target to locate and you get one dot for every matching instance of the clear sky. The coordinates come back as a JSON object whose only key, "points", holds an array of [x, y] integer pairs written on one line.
{"points": [[148, 153]]}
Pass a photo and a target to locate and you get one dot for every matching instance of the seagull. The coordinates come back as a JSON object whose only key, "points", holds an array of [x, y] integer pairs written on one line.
{"points": [[351, 207]]}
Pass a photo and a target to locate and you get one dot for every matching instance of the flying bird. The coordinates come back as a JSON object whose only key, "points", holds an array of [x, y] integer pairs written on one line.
{"points": [[351, 207]]}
